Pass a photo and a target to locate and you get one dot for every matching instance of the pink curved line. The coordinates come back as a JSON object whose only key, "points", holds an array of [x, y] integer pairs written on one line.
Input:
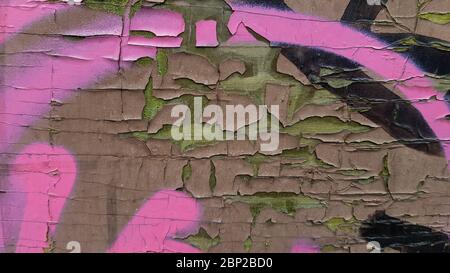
{"points": [[157, 214], [29, 86], [39, 183], [165, 215], [304, 30], [30, 83]]}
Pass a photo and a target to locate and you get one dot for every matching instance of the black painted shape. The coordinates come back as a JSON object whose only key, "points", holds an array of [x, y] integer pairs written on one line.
{"points": [[398, 117], [275, 4], [361, 14], [310, 60], [447, 96], [423, 54], [402, 235], [430, 59], [373, 100], [433, 60]]}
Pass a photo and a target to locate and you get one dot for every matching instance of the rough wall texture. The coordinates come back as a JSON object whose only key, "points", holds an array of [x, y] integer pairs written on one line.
{"points": [[87, 155]]}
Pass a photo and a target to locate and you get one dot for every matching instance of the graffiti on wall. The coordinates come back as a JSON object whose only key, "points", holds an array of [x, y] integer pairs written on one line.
{"points": [[59, 60]]}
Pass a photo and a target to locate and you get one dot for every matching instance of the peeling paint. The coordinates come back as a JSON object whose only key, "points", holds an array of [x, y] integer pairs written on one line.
{"points": [[438, 18], [363, 148], [283, 202]]}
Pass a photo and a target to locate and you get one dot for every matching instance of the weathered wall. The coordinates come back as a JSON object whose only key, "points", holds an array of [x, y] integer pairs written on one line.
{"points": [[87, 153]]}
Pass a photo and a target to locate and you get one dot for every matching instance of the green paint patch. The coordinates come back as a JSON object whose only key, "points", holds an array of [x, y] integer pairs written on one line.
{"points": [[303, 153], [329, 249], [248, 244], [358, 173], [404, 44], [162, 62], [165, 134], [338, 82], [152, 104], [253, 87], [443, 83], [436, 17], [51, 246], [256, 161], [113, 6], [366, 181], [338, 224], [366, 144], [310, 143], [401, 49], [384, 173], [135, 8], [354, 172], [191, 144], [188, 100], [73, 37], [53, 131], [287, 203], [324, 125], [186, 172], [331, 76], [188, 145], [144, 61], [146, 34], [261, 69], [202, 240], [191, 85], [212, 177], [142, 136], [301, 95], [326, 71]]}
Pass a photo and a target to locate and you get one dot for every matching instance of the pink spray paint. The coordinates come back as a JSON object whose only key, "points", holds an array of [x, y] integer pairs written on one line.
{"points": [[31, 82], [18, 14], [43, 176], [160, 218], [305, 246], [206, 33], [165, 215], [334, 37], [40, 181]]}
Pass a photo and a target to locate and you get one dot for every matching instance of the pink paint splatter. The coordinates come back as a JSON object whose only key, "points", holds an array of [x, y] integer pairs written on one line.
{"points": [[165, 215], [206, 33], [17, 14]]}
